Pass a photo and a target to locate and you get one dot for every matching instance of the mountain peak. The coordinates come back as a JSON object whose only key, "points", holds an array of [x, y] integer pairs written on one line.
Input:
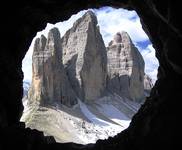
{"points": [[54, 35], [54, 31], [120, 37], [77, 69], [125, 67], [91, 14], [83, 47]]}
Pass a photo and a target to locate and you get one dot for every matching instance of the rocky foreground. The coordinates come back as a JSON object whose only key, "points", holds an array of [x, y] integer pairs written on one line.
{"points": [[82, 91]]}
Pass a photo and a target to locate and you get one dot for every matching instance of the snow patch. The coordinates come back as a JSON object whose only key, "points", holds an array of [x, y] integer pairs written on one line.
{"points": [[99, 128], [114, 114], [90, 116]]}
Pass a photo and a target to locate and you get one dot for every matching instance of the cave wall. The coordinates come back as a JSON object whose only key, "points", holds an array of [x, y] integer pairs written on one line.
{"points": [[157, 122]]}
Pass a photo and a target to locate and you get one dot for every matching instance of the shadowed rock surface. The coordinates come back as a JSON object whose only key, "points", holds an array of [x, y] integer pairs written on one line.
{"points": [[85, 58], [84, 67], [155, 126], [125, 68], [84, 72], [49, 81]]}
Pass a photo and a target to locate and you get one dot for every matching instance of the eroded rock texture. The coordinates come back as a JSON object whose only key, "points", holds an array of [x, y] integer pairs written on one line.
{"points": [[125, 68], [85, 58], [71, 67], [49, 81]]}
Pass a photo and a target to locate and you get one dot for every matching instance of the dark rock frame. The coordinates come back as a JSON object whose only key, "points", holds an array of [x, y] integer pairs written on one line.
{"points": [[157, 123]]}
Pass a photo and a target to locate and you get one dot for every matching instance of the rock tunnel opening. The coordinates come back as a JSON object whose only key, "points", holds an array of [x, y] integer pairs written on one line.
{"points": [[125, 83], [155, 126]]}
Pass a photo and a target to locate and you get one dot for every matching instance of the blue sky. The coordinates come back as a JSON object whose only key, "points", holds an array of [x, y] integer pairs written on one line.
{"points": [[110, 21]]}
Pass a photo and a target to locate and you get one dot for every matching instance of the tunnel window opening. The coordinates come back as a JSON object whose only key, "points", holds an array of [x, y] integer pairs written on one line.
{"points": [[78, 109]]}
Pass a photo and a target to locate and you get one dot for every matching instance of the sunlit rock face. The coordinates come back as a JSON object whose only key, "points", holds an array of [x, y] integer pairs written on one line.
{"points": [[49, 81], [125, 68], [77, 63], [85, 58], [37, 69]]}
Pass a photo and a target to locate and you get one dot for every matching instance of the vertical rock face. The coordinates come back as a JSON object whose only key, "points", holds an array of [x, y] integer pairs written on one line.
{"points": [[125, 68], [36, 89], [148, 84], [49, 80], [85, 58], [78, 65]]}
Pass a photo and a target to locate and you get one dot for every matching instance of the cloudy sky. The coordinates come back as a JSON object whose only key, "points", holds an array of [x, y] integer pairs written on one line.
{"points": [[110, 21]]}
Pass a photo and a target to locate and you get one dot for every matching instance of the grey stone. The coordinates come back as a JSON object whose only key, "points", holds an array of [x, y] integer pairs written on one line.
{"points": [[76, 66], [49, 81], [85, 58], [125, 68]]}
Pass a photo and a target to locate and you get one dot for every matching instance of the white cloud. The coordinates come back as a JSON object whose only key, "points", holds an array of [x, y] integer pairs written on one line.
{"points": [[110, 21], [113, 20], [27, 65], [151, 62]]}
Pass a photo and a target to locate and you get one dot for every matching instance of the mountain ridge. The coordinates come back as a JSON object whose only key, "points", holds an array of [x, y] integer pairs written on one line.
{"points": [[82, 91]]}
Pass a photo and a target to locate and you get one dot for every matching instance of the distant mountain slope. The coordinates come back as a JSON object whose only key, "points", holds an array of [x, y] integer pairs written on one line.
{"points": [[85, 122]]}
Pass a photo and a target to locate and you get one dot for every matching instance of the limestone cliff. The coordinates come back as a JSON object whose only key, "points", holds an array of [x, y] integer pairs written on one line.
{"points": [[79, 66], [77, 63], [125, 68], [49, 81], [85, 58]]}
